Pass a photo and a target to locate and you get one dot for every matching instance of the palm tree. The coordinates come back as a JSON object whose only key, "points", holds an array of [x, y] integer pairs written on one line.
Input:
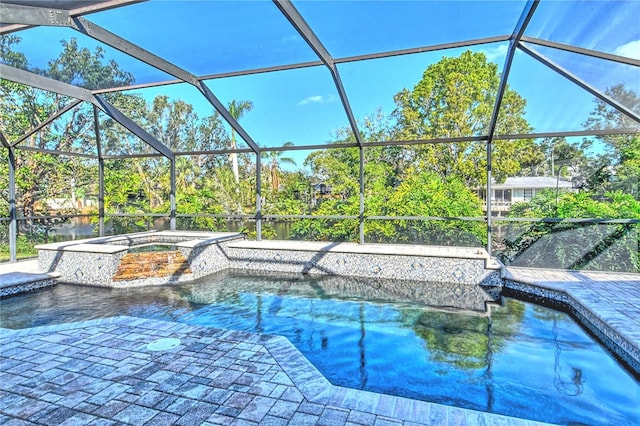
{"points": [[274, 159], [237, 110]]}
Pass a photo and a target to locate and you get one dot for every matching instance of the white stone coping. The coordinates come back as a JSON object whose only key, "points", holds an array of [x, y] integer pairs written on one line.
{"points": [[110, 244], [13, 279], [94, 241], [375, 249], [92, 248]]}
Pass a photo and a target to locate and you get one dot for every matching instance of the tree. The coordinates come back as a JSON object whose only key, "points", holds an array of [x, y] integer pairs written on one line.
{"points": [[84, 68], [426, 194], [45, 176], [455, 98], [466, 341], [274, 159], [619, 168], [237, 109]]}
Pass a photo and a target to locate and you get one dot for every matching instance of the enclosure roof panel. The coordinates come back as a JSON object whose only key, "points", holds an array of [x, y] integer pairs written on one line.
{"points": [[284, 57], [350, 28], [210, 37]]}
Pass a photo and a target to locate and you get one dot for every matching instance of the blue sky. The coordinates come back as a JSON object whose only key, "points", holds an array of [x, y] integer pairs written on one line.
{"points": [[303, 106]]}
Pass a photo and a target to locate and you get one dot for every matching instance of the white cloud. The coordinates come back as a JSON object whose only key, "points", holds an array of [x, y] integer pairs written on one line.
{"points": [[318, 99], [630, 50], [496, 53]]}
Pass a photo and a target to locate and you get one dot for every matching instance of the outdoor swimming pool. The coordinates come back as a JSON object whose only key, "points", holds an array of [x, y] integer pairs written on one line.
{"points": [[522, 360]]}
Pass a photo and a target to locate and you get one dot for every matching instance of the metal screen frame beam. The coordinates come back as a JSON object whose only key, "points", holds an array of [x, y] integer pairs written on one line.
{"points": [[42, 16], [48, 121], [132, 126], [301, 26], [96, 32], [91, 8], [56, 152], [305, 31], [172, 194], [4, 141], [567, 134], [215, 102], [258, 197], [96, 128], [299, 65], [582, 51], [32, 15], [31, 79], [34, 80], [518, 32], [13, 214], [577, 80]]}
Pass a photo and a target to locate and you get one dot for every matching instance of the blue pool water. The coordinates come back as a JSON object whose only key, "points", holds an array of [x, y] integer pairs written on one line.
{"points": [[430, 342]]}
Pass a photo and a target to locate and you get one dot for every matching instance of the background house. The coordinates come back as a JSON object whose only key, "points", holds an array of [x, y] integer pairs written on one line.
{"points": [[519, 189]]}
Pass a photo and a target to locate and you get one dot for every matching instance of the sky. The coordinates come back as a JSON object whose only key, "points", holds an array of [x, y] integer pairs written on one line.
{"points": [[303, 106]]}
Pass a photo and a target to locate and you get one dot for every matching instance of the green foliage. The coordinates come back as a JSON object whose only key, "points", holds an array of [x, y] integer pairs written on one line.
{"points": [[570, 245], [619, 167], [81, 67], [24, 248], [455, 98], [425, 194], [199, 201], [268, 232], [421, 194]]}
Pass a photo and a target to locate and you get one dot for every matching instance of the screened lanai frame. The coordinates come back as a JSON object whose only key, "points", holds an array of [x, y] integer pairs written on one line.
{"points": [[21, 14]]}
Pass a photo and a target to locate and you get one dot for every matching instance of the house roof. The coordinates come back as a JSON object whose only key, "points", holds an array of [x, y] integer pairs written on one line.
{"points": [[534, 182]]}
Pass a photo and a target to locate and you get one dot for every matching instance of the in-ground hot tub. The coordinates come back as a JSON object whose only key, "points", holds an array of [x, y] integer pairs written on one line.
{"points": [[102, 261]]}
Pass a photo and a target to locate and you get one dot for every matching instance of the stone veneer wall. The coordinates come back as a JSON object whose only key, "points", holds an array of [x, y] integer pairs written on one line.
{"points": [[205, 259], [397, 262], [609, 336], [81, 267], [27, 286]]}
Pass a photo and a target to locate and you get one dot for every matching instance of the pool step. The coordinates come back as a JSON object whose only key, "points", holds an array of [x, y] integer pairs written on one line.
{"points": [[135, 266]]}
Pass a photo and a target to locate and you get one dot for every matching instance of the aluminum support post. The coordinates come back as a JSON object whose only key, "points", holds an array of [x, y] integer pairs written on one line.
{"points": [[172, 196], [13, 216], [361, 185], [488, 197], [258, 196], [101, 196], [518, 32], [96, 126]]}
